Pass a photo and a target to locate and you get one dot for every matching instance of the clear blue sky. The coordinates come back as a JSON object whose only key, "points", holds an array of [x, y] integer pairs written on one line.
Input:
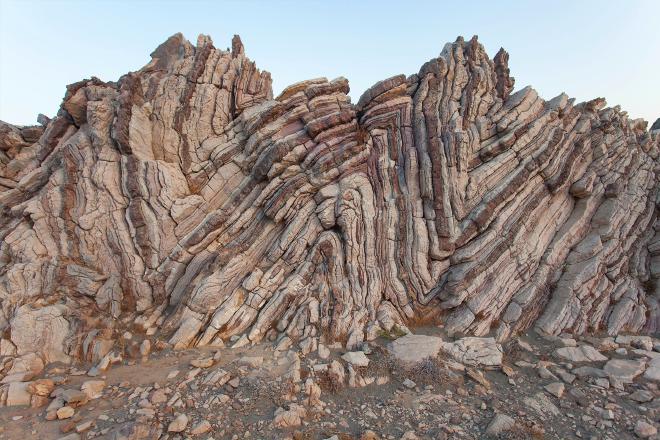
{"points": [[585, 48]]}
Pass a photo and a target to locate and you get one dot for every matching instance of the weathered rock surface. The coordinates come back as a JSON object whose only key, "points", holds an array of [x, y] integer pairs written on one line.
{"points": [[475, 351], [412, 349], [624, 370], [583, 353], [356, 358], [188, 202]]}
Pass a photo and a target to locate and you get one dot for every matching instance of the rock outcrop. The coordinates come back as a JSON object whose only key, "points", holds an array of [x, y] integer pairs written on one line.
{"points": [[185, 201]]}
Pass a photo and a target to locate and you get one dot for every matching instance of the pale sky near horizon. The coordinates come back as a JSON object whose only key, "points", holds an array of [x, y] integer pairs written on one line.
{"points": [[584, 48]]}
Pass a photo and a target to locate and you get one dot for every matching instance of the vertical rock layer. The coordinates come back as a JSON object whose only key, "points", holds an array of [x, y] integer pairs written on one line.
{"points": [[186, 201]]}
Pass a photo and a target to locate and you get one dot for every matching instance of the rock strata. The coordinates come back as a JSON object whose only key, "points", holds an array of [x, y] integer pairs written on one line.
{"points": [[189, 204]]}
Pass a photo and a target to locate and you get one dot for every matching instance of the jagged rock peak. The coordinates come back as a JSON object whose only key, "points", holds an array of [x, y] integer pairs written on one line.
{"points": [[185, 202], [656, 125]]}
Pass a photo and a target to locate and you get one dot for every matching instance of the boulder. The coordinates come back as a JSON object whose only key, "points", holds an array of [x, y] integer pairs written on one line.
{"points": [[18, 394], [356, 358], [653, 370], [412, 349], [583, 353], [624, 370], [43, 328], [475, 351]]}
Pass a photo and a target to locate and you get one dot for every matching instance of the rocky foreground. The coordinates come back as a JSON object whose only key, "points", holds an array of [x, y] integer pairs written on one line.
{"points": [[399, 386]]}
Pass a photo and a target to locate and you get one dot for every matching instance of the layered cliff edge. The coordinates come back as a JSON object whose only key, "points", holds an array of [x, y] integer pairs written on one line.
{"points": [[186, 204]]}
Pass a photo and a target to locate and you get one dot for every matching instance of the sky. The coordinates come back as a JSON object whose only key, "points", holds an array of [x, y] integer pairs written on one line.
{"points": [[585, 48]]}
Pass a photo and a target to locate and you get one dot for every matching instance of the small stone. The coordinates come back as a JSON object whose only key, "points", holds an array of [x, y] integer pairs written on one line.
{"points": [[556, 389], [369, 435], [641, 396], [178, 424], [409, 384], [158, 396], [565, 376], [541, 405], [589, 372], [653, 370], [65, 412], [544, 373], [41, 387], [602, 382], [323, 351], [499, 424], [579, 396], [93, 388], [289, 418], [202, 363], [607, 414], [201, 428], [356, 358], [644, 429], [84, 426], [252, 361], [74, 397], [568, 342], [637, 341]]}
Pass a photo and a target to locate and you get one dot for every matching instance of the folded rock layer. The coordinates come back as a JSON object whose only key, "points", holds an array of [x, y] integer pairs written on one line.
{"points": [[185, 201]]}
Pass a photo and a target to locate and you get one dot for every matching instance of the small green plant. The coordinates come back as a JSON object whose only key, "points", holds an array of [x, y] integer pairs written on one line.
{"points": [[391, 335]]}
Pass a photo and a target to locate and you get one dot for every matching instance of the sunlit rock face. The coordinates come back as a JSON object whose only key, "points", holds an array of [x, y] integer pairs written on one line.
{"points": [[187, 202]]}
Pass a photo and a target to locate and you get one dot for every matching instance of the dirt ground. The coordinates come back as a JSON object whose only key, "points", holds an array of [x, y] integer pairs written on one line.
{"points": [[435, 399]]}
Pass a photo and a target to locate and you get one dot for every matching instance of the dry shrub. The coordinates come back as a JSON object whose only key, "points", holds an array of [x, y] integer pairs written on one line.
{"points": [[329, 383], [425, 372]]}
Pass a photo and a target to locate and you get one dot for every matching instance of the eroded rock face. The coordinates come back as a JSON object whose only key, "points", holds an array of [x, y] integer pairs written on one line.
{"points": [[187, 200]]}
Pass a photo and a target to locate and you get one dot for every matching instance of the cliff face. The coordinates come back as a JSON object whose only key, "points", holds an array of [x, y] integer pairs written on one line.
{"points": [[185, 201]]}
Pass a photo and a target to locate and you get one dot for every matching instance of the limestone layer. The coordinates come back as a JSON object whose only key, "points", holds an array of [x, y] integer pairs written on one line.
{"points": [[186, 202]]}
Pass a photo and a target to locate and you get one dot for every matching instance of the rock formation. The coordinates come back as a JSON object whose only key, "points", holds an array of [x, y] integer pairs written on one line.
{"points": [[184, 201]]}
